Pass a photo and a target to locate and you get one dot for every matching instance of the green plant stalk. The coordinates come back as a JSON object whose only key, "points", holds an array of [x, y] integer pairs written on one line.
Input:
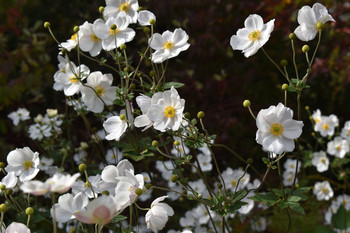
{"points": [[274, 63], [28, 221], [54, 226], [294, 62], [318, 44]]}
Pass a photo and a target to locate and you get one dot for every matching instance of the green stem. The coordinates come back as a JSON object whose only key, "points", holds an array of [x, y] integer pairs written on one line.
{"points": [[54, 213], [318, 44], [273, 62], [294, 62]]}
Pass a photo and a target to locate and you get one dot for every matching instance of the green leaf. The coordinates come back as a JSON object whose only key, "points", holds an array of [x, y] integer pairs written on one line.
{"points": [[323, 229], [118, 218], [341, 219], [168, 85], [294, 199], [296, 207], [269, 199]]}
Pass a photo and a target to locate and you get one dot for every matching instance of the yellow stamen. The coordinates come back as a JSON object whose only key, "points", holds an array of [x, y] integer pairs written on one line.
{"points": [[74, 79], [113, 32], [233, 182], [169, 111], [74, 37], [124, 7], [324, 190], [325, 126], [323, 160], [94, 38], [27, 164], [168, 45], [338, 148], [254, 35], [276, 129], [100, 90]]}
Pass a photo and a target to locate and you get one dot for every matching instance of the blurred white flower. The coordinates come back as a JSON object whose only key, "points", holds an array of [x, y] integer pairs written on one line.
{"points": [[288, 177], [16, 227], [259, 224], [21, 114], [323, 191], [38, 131], [338, 147], [231, 178], [291, 164], [345, 132], [326, 125], [115, 7], [89, 188], [320, 161], [157, 216]]}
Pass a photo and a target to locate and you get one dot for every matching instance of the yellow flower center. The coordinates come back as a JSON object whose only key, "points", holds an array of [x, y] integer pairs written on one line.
{"points": [[74, 79], [100, 90], [233, 182], [169, 111], [348, 133], [325, 126], [323, 160], [113, 32], [324, 190], [124, 7], [276, 129], [338, 148], [254, 35], [168, 45], [63, 70], [317, 120], [94, 38], [74, 37], [27, 164]]}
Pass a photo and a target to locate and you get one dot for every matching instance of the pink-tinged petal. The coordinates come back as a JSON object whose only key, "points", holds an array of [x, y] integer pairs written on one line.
{"points": [[292, 129], [306, 16], [254, 22], [102, 215]]}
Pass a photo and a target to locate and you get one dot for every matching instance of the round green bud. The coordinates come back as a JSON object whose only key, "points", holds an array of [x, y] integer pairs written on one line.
{"points": [[309, 71], [73, 230], [219, 186], [9, 191], [155, 143], [29, 211], [174, 178], [305, 48], [101, 9], [64, 51], [250, 161], [148, 186], [246, 103], [184, 192], [3, 208], [285, 86], [146, 30], [132, 86], [311, 118], [284, 62], [307, 107], [122, 117], [190, 197], [76, 29], [138, 192], [82, 167], [137, 112], [152, 21], [320, 26], [113, 27], [187, 115], [2, 164], [2, 187], [46, 25], [313, 134], [292, 36], [126, 69], [87, 184], [176, 143], [152, 73], [122, 47], [105, 192], [200, 195], [201, 115]]}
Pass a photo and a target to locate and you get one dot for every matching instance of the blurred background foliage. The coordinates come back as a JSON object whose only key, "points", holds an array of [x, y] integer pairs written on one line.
{"points": [[217, 78]]}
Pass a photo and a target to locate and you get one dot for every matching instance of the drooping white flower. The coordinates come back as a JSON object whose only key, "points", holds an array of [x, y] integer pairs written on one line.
{"points": [[308, 18], [70, 43], [16, 227], [326, 125], [167, 112], [253, 36], [338, 147], [10, 180], [88, 41], [68, 205], [320, 161], [112, 39], [115, 7], [157, 216], [277, 130], [345, 132], [21, 114], [24, 162], [168, 45], [98, 91], [323, 191], [112, 173], [115, 126], [144, 17]]}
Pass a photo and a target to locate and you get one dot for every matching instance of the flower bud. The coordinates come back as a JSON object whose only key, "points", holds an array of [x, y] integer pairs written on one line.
{"points": [[187, 115], [201, 115], [246, 103], [2, 187], [176, 143], [113, 27], [320, 26], [219, 186], [3, 208], [132, 86], [137, 112], [9, 191], [148, 186], [284, 62], [200, 195], [152, 73], [250, 161], [152, 21], [305, 48], [184, 192], [126, 69], [146, 30], [122, 117], [29, 211], [82, 167], [174, 178], [73, 230], [76, 29], [311, 118], [46, 25], [2, 164], [285, 86], [307, 107], [313, 134], [51, 112], [105, 192], [122, 47], [101, 9], [138, 192], [309, 71], [292, 36], [155, 143]]}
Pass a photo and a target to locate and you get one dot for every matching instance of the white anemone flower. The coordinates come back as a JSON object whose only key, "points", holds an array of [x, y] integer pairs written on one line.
{"points": [[115, 7], [288, 177], [338, 147], [144, 17], [115, 126], [89, 188], [144, 102], [320, 161], [326, 125], [88, 41], [10, 180], [231, 178], [277, 130], [323, 191], [16, 227], [24, 162], [167, 113], [98, 91], [112, 39], [68, 205], [21, 114], [253, 36], [345, 132], [111, 173], [70, 43], [291, 164], [308, 18], [168, 45], [157, 216]]}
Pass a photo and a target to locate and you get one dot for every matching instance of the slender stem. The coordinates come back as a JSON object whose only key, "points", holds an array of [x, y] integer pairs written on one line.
{"points": [[54, 213], [28, 221], [223, 225], [130, 224], [53, 36], [318, 44], [251, 112], [1, 220], [273, 62], [289, 220], [294, 62]]}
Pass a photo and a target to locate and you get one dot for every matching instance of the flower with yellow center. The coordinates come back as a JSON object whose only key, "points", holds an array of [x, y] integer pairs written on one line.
{"points": [[129, 7], [74, 79], [168, 45], [338, 147], [320, 161], [169, 112], [124, 7], [254, 35], [323, 191]]}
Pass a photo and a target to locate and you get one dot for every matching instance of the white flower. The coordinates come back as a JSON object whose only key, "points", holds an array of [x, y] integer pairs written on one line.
{"points": [[113, 156], [167, 113], [10, 180], [88, 41], [168, 45], [157, 216], [253, 36], [112, 39], [24, 162], [112, 173], [68, 205], [320, 161], [89, 188], [199, 187], [291, 164], [288, 177], [61, 69], [115, 126], [245, 209], [231, 178], [144, 17], [38, 131], [16, 227], [326, 125], [98, 91], [345, 132], [277, 130], [21, 114], [205, 162], [127, 185], [115, 7], [144, 102], [308, 18], [317, 116], [338, 147], [259, 225], [323, 191], [70, 43]]}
